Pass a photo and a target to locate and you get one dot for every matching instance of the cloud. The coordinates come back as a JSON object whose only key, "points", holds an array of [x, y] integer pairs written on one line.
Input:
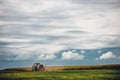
{"points": [[28, 52], [48, 27], [77, 32], [107, 55], [22, 56], [99, 51], [72, 56], [83, 51], [46, 57]]}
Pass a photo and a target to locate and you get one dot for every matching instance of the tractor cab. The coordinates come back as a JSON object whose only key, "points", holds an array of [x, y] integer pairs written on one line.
{"points": [[38, 67]]}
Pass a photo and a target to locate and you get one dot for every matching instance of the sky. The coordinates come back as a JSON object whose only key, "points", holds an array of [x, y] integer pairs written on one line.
{"points": [[59, 32]]}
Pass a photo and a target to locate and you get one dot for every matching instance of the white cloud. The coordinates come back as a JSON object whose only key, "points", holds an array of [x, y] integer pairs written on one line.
{"points": [[107, 55], [30, 52], [22, 56], [46, 57], [82, 51], [99, 51], [72, 56], [13, 40]]}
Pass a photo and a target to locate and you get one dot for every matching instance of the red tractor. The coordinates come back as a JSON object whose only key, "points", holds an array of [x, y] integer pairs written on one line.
{"points": [[38, 67]]}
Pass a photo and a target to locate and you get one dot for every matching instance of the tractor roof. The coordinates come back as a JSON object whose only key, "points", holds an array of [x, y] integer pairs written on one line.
{"points": [[36, 63]]}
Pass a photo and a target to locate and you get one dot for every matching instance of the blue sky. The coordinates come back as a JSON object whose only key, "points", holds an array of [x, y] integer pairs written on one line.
{"points": [[59, 32]]}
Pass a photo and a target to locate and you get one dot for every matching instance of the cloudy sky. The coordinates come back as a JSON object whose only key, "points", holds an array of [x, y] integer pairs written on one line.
{"points": [[59, 32]]}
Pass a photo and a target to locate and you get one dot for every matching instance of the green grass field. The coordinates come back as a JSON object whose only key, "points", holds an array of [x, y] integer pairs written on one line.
{"points": [[62, 75], [99, 72]]}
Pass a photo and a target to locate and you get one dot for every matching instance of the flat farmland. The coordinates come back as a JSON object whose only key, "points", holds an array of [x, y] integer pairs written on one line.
{"points": [[63, 73]]}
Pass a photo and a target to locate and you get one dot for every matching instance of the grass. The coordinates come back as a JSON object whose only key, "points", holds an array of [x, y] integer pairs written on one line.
{"points": [[63, 73]]}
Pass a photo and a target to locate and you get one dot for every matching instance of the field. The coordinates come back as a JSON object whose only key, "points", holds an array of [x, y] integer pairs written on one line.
{"points": [[64, 73]]}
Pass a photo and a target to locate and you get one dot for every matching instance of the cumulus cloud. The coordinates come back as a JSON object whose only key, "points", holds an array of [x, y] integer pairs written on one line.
{"points": [[46, 57], [72, 56], [107, 55]]}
